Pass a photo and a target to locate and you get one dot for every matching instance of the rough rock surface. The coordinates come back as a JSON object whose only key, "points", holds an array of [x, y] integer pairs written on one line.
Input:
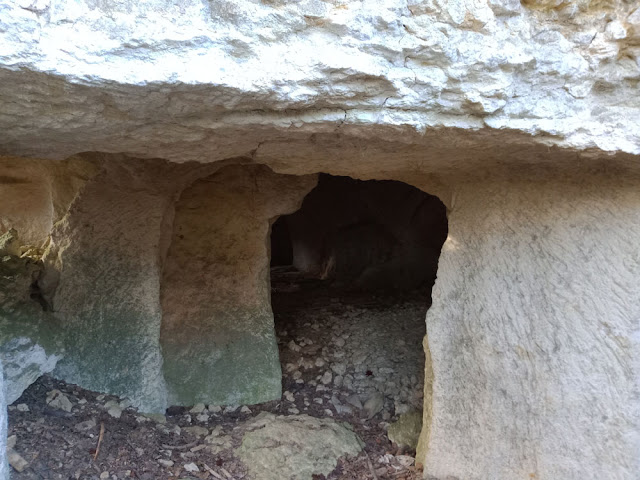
{"points": [[29, 340], [188, 81], [217, 334], [4, 468], [406, 431], [551, 362], [295, 447], [542, 382]]}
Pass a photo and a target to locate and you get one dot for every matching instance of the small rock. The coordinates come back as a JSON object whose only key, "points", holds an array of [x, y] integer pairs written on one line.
{"points": [[355, 401], [339, 368], [104, 475], [203, 417], [215, 408], [198, 408], [191, 467], [57, 399], [337, 381], [165, 463], [293, 346], [294, 411], [318, 401], [374, 405], [328, 412], [115, 411], [11, 442], [82, 401], [156, 417], [406, 431], [22, 407], [405, 460], [289, 396], [339, 342], [231, 409], [319, 362], [245, 409], [326, 378]]}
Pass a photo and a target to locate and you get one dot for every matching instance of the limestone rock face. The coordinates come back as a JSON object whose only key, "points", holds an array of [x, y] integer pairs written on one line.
{"points": [[4, 468], [206, 81], [217, 332], [297, 447], [536, 312]]}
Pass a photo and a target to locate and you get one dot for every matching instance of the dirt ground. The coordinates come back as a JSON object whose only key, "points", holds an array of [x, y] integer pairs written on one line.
{"points": [[338, 350]]}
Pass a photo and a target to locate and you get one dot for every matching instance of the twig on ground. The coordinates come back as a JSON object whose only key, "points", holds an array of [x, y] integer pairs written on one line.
{"points": [[95, 455], [213, 472], [186, 446]]}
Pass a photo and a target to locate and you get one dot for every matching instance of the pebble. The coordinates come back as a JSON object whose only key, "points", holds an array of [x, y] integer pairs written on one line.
{"points": [[104, 475], [198, 408], [191, 467], [215, 408], [16, 461], [57, 399], [165, 463], [245, 409], [156, 417], [339, 368], [339, 342], [326, 378], [405, 460], [293, 346], [319, 362], [294, 411], [289, 396], [231, 409], [203, 417], [22, 407], [374, 405]]}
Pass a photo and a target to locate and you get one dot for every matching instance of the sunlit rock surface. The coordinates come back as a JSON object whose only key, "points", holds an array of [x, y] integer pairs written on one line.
{"points": [[186, 81], [522, 116]]}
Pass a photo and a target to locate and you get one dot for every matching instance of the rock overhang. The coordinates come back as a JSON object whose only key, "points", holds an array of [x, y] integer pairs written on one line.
{"points": [[203, 81]]}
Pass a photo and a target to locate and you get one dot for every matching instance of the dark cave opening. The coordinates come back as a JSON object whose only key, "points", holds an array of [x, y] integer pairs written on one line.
{"points": [[351, 277]]}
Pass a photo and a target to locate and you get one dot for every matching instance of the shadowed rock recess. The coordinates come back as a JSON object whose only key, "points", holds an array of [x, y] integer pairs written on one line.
{"points": [[149, 148]]}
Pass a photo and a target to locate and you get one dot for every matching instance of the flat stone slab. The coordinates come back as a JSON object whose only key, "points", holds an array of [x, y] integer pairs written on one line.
{"points": [[295, 447]]}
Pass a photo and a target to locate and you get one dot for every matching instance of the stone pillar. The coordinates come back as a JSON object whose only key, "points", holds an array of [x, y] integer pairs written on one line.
{"points": [[218, 339], [534, 333], [106, 261]]}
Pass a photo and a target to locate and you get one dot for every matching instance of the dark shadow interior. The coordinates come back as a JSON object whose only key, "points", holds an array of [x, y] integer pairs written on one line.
{"points": [[357, 235], [351, 278]]}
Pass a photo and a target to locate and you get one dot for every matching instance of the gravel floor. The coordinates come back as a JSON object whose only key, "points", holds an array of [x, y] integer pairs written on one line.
{"points": [[352, 357]]}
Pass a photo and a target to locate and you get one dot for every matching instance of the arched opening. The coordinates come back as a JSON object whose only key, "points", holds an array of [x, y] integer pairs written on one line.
{"points": [[351, 278]]}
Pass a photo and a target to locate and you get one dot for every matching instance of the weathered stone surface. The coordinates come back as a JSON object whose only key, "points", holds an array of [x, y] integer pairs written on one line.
{"points": [[217, 334], [295, 447], [29, 337], [201, 81], [4, 468], [405, 432], [533, 339], [103, 279], [9, 243], [533, 333]]}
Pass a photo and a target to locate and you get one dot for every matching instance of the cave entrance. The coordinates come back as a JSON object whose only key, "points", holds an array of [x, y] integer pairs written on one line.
{"points": [[351, 278]]}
